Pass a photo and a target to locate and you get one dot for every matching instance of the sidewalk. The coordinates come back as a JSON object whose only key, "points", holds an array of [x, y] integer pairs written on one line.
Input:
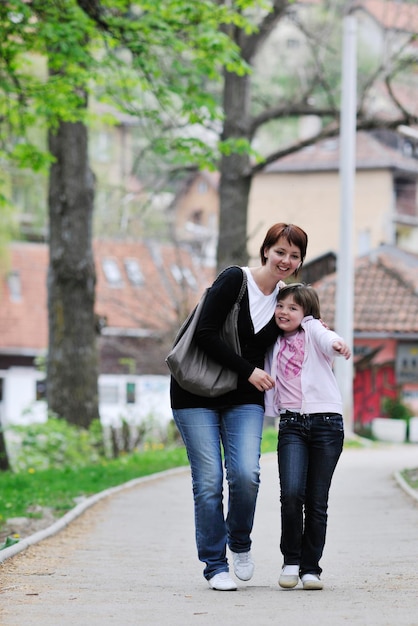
{"points": [[131, 558]]}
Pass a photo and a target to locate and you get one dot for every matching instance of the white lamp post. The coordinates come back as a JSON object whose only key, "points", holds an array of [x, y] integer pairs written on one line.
{"points": [[344, 370]]}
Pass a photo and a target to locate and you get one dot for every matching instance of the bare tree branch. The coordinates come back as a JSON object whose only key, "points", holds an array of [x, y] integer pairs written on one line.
{"points": [[250, 44], [333, 130], [290, 109], [408, 116], [317, 47]]}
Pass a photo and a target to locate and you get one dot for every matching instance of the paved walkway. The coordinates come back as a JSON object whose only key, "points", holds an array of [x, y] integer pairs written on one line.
{"points": [[131, 559]]}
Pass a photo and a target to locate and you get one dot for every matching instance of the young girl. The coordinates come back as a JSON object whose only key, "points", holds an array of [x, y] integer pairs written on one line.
{"points": [[311, 432]]}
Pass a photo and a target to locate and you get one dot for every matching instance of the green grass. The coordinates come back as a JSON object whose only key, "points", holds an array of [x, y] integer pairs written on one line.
{"points": [[411, 477], [26, 491], [57, 489]]}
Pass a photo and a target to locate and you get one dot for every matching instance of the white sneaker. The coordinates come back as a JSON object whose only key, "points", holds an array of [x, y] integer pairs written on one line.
{"points": [[289, 577], [243, 565], [222, 582], [312, 582]]}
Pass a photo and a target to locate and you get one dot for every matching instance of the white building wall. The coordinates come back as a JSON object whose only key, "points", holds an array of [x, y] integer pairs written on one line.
{"points": [[152, 399], [19, 405]]}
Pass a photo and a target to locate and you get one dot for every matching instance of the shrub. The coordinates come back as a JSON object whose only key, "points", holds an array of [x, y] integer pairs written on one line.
{"points": [[395, 409], [54, 444]]}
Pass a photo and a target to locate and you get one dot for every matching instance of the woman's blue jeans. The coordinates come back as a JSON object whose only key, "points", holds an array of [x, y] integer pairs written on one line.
{"points": [[309, 447], [205, 432]]}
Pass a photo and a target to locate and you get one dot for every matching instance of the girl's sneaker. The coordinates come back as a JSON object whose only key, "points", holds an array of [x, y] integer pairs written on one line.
{"points": [[312, 582]]}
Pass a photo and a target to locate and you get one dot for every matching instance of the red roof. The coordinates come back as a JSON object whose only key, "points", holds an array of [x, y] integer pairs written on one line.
{"points": [[385, 293], [24, 318], [392, 15], [144, 298]]}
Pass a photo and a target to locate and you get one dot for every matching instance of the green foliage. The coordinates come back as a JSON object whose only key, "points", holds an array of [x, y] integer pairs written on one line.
{"points": [[54, 444], [10, 541], [395, 409], [161, 63], [411, 477], [8, 225], [269, 441], [59, 487], [149, 59]]}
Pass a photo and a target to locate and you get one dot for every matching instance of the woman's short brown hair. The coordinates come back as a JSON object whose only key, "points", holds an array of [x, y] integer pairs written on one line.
{"points": [[294, 235]]}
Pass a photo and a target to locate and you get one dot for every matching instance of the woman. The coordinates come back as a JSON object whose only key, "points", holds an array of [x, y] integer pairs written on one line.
{"points": [[233, 422]]}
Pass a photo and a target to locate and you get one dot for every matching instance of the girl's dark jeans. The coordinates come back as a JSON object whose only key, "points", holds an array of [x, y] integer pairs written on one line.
{"points": [[309, 447]]}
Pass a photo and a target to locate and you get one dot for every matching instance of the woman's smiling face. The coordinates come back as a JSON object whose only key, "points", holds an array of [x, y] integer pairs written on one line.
{"points": [[283, 258]]}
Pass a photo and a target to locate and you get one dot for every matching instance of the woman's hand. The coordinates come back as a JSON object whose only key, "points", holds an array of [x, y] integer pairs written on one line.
{"points": [[261, 380]]}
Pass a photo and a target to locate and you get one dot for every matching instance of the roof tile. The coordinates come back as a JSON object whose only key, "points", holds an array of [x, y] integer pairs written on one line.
{"points": [[156, 306], [385, 293]]}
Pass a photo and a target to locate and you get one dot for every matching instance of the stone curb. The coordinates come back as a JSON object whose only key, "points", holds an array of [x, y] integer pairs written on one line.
{"points": [[66, 519], [404, 485], [60, 524]]}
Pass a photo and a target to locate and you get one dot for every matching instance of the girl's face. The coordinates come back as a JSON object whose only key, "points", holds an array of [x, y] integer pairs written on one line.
{"points": [[288, 314], [283, 258]]}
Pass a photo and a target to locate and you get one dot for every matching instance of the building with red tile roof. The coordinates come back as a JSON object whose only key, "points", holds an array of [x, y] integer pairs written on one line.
{"points": [[385, 328], [144, 291], [304, 188]]}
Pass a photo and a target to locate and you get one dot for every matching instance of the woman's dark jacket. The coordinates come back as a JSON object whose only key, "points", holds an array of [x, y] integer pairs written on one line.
{"points": [[219, 301]]}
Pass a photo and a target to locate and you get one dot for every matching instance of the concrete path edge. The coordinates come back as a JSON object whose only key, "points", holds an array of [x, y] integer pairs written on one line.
{"points": [[66, 519], [60, 524]]}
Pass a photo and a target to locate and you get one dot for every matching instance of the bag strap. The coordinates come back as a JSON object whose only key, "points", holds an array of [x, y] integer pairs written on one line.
{"points": [[243, 286], [244, 281]]}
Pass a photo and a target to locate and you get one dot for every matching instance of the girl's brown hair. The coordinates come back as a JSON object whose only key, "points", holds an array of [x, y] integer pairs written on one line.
{"points": [[294, 235], [304, 295]]}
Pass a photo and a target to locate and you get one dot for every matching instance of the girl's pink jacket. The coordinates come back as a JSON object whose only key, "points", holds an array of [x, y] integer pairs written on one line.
{"points": [[320, 392]]}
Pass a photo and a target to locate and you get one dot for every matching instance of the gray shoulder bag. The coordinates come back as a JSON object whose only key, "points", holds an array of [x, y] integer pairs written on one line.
{"points": [[191, 367]]}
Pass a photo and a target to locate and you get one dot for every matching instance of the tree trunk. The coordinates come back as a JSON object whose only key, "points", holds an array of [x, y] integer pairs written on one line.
{"points": [[4, 459], [72, 366], [235, 180]]}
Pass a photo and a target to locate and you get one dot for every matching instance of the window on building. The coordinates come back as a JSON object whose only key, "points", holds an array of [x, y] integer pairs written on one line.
{"points": [[177, 273], [108, 394], [133, 271], [407, 362], [364, 242], [130, 393], [100, 147], [15, 286], [112, 272], [197, 217], [406, 195], [190, 279], [41, 389], [202, 187], [182, 274]]}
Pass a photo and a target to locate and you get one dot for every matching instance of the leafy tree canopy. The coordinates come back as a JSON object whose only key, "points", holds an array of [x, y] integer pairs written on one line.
{"points": [[155, 60]]}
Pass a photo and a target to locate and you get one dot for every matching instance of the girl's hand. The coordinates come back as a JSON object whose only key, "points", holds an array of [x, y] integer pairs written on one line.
{"points": [[261, 380], [342, 348]]}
